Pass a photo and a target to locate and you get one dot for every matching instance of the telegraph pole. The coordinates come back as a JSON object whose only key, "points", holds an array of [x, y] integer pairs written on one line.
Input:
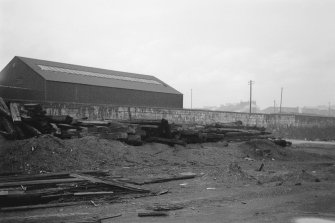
{"points": [[250, 83], [281, 99]]}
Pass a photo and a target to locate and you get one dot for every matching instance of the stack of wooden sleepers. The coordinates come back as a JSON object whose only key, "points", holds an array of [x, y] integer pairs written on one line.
{"points": [[26, 192]]}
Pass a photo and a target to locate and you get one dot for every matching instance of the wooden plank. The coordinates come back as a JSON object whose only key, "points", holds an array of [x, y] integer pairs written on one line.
{"points": [[92, 123], [39, 206], [242, 134], [35, 177], [184, 176], [225, 130], [152, 214], [37, 182], [111, 182], [4, 193], [47, 176], [39, 217], [15, 112], [4, 108], [93, 193], [165, 207], [161, 180], [66, 126]]}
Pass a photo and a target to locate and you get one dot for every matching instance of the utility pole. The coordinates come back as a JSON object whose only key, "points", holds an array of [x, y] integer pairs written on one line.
{"points": [[250, 83], [328, 108], [274, 106], [191, 98], [281, 99]]}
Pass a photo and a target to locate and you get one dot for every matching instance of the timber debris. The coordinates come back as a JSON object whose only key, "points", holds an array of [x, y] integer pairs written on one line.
{"points": [[152, 214], [27, 192], [21, 121]]}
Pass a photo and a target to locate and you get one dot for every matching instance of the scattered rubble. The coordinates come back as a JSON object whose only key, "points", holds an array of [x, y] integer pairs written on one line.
{"points": [[264, 149]]}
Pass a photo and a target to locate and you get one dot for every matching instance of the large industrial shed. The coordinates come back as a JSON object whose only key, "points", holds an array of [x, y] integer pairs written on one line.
{"points": [[45, 81]]}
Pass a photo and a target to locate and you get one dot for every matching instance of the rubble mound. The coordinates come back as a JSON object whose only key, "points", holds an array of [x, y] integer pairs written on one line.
{"points": [[51, 154], [263, 148], [48, 153]]}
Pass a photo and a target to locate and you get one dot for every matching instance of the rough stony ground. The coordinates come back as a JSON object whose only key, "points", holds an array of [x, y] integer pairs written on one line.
{"points": [[297, 181]]}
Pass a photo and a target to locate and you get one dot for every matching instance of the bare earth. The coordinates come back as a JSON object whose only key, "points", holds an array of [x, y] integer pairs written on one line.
{"points": [[296, 182]]}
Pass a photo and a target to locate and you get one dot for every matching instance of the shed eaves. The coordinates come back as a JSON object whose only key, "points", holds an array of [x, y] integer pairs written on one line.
{"points": [[97, 80]]}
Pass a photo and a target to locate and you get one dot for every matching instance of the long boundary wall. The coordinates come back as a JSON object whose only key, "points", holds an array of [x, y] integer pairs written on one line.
{"points": [[98, 112], [285, 125]]}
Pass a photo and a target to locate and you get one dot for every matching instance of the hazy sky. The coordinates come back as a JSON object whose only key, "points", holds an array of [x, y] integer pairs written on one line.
{"points": [[213, 47]]}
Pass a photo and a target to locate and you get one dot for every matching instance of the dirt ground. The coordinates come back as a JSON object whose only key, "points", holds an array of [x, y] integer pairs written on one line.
{"points": [[296, 183]]}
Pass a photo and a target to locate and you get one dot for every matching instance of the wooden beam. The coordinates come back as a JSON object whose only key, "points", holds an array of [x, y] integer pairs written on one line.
{"points": [[37, 182], [93, 193], [15, 112], [92, 123], [4, 108], [34, 177], [161, 180], [39, 206], [152, 214], [111, 182], [46, 176], [45, 217]]}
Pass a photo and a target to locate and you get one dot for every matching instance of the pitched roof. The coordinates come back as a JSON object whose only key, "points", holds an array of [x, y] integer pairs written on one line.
{"points": [[61, 72]]}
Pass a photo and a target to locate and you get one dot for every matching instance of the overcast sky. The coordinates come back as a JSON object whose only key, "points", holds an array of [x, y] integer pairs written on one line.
{"points": [[212, 47]]}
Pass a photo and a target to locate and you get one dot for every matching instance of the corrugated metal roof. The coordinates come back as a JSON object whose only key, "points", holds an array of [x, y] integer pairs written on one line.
{"points": [[61, 72]]}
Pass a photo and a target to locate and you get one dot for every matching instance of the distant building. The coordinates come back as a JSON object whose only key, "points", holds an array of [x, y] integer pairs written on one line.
{"points": [[287, 110], [40, 80], [319, 110], [243, 106]]}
